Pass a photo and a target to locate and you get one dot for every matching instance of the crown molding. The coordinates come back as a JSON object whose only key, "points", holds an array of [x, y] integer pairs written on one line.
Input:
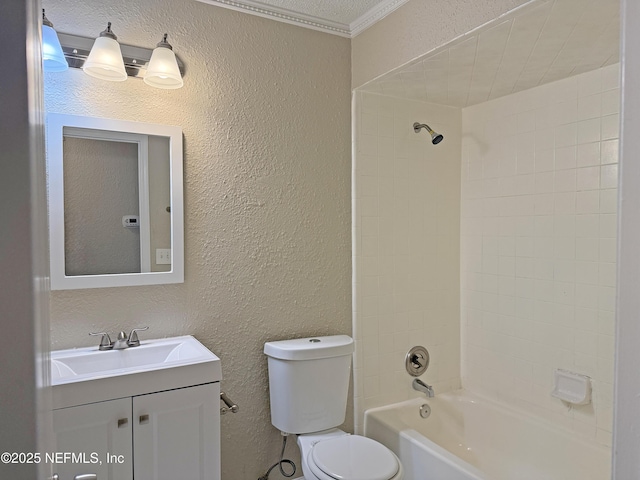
{"points": [[283, 15], [374, 15], [309, 21]]}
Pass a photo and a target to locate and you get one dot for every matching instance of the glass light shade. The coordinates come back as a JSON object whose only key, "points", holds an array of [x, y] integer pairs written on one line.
{"points": [[52, 56], [105, 61], [163, 71]]}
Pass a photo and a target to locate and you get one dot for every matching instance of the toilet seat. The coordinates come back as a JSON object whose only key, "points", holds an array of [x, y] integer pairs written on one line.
{"points": [[352, 457]]}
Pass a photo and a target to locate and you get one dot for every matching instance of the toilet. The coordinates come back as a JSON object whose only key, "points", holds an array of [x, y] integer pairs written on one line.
{"points": [[309, 385]]}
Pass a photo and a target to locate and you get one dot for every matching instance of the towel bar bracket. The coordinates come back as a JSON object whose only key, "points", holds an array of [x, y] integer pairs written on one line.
{"points": [[230, 405]]}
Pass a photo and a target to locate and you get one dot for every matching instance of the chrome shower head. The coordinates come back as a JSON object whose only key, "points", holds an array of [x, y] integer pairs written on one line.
{"points": [[436, 138]]}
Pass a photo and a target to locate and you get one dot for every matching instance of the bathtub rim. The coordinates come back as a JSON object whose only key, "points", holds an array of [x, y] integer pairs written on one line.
{"points": [[462, 394]]}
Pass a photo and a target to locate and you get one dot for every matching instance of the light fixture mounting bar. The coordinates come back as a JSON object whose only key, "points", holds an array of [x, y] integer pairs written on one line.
{"points": [[136, 59]]}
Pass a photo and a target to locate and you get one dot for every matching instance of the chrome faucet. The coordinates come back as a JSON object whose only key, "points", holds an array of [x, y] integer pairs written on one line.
{"points": [[133, 341], [105, 341], [420, 386], [122, 342]]}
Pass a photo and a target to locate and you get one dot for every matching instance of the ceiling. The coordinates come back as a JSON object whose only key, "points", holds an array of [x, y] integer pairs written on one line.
{"points": [[346, 18], [536, 44], [541, 42]]}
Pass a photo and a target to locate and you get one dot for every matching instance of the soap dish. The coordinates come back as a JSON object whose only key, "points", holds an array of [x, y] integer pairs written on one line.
{"points": [[572, 387]]}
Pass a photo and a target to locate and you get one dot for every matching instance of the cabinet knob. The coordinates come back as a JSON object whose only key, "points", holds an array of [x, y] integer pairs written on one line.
{"points": [[122, 422], [144, 419]]}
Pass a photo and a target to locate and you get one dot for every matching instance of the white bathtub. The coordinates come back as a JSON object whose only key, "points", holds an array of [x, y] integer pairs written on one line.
{"points": [[468, 437]]}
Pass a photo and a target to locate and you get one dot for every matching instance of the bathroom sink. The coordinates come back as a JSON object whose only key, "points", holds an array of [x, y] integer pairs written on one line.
{"points": [[152, 354], [82, 375]]}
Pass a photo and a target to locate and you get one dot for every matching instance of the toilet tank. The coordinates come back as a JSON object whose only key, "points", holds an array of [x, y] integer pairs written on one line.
{"points": [[309, 382]]}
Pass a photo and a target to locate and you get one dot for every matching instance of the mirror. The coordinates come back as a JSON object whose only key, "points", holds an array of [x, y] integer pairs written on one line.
{"points": [[115, 202]]}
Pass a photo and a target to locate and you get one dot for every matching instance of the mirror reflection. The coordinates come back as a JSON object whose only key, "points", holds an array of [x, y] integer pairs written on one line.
{"points": [[115, 202]]}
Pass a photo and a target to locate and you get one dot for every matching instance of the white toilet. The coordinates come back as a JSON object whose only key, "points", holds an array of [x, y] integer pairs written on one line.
{"points": [[309, 384]]}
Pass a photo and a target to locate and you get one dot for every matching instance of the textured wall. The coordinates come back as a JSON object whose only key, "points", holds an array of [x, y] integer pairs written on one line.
{"points": [[407, 247], [538, 276], [416, 28], [266, 121]]}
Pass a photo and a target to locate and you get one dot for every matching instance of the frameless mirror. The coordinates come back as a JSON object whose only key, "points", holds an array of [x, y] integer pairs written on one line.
{"points": [[115, 202]]}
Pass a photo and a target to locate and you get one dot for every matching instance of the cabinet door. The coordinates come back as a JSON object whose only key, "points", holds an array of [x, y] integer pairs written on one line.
{"points": [[94, 438], [176, 434]]}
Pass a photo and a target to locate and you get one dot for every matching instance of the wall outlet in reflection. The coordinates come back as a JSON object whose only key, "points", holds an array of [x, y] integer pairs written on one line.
{"points": [[163, 256]]}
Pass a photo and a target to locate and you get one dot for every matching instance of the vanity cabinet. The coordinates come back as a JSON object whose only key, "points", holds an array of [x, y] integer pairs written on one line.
{"points": [[176, 434], [157, 436], [90, 432]]}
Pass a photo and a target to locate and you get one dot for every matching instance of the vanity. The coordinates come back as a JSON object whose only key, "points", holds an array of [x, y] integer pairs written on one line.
{"points": [[144, 413], [129, 409]]}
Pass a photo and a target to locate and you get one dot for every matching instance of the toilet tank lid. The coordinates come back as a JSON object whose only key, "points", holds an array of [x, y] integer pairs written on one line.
{"points": [[310, 348]]}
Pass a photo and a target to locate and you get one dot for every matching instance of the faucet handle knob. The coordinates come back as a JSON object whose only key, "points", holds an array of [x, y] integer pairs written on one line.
{"points": [[416, 360], [133, 340], [105, 341]]}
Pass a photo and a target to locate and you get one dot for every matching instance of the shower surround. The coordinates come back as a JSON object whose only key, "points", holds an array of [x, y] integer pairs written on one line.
{"points": [[538, 246], [406, 204], [495, 249]]}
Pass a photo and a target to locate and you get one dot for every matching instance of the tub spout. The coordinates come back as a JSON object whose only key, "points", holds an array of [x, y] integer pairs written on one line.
{"points": [[420, 386]]}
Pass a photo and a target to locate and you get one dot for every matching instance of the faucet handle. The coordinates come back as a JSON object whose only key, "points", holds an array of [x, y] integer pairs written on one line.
{"points": [[105, 341], [416, 360], [133, 340]]}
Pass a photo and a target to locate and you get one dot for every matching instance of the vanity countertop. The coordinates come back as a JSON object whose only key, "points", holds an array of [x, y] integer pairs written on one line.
{"points": [[86, 375]]}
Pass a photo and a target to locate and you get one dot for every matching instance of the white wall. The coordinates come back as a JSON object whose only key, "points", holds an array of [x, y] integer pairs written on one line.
{"points": [[406, 198], [24, 410], [265, 115], [627, 412], [539, 198]]}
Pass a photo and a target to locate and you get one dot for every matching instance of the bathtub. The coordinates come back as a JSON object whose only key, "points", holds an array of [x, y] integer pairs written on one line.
{"points": [[468, 437]]}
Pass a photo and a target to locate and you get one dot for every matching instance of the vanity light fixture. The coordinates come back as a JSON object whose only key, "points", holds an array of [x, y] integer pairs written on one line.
{"points": [[163, 71], [52, 55], [105, 59]]}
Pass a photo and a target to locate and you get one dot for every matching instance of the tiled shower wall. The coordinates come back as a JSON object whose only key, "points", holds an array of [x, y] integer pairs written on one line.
{"points": [[538, 246], [406, 204]]}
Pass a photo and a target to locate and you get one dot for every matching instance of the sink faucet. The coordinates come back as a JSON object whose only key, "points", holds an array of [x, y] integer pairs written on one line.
{"points": [[420, 386], [133, 341], [122, 342]]}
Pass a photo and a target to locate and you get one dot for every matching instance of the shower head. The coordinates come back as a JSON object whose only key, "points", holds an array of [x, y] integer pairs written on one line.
{"points": [[436, 138]]}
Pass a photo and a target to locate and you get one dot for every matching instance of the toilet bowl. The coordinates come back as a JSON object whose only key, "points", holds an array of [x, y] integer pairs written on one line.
{"points": [[336, 455], [308, 387]]}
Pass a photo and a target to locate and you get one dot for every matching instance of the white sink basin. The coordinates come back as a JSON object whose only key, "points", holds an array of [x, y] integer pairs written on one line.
{"points": [[69, 365], [84, 375]]}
